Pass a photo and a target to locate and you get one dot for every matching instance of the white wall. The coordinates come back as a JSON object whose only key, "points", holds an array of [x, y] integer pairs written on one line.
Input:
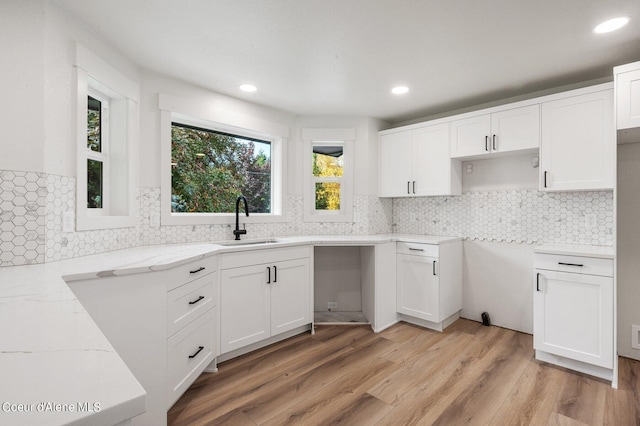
{"points": [[22, 85], [628, 250], [512, 172], [497, 279]]}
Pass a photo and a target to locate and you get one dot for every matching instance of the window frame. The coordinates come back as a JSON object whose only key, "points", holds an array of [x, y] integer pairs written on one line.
{"points": [[94, 76], [328, 137], [277, 173]]}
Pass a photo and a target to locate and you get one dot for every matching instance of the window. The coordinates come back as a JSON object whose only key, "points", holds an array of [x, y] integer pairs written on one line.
{"points": [[210, 169], [107, 121], [97, 150], [328, 168]]}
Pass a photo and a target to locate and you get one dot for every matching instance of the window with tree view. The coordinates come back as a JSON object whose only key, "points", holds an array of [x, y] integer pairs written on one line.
{"points": [[96, 152], [328, 169], [210, 169]]}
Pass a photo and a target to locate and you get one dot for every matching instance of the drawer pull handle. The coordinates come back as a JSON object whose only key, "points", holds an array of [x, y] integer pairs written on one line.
{"points": [[494, 142], [486, 143], [415, 249], [538, 281], [275, 274], [408, 185], [268, 275], [202, 268], [545, 179], [570, 264], [197, 300], [200, 348], [434, 267], [414, 186]]}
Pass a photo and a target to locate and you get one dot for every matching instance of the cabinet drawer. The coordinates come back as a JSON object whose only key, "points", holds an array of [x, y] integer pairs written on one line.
{"points": [[180, 275], [189, 352], [418, 249], [575, 264], [263, 256], [189, 301]]}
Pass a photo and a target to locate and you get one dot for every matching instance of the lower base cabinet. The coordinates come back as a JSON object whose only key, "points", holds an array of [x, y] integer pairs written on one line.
{"points": [[573, 314], [429, 283], [262, 300], [163, 325]]}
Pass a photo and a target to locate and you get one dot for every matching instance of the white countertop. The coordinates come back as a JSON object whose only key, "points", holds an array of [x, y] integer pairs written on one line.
{"points": [[52, 352], [605, 252]]}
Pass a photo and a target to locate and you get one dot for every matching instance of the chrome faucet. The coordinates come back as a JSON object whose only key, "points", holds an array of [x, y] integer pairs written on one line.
{"points": [[237, 232]]}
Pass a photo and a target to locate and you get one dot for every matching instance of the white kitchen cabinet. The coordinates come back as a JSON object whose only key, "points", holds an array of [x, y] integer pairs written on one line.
{"points": [[573, 312], [578, 146], [508, 131], [627, 86], [156, 321], [262, 300], [429, 283], [416, 162]]}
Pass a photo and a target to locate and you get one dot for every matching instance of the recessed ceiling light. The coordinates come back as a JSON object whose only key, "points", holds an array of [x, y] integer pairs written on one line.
{"points": [[248, 88], [611, 25], [400, 90]]}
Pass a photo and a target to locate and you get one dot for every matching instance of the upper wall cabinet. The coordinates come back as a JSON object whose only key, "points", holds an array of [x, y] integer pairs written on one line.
{"points": [[416, 162], [627, 83], [577, 150], [505, 131]]}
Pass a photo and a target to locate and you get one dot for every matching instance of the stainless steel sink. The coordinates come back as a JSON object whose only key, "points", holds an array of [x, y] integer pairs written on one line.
{"points": [[249, 242]]}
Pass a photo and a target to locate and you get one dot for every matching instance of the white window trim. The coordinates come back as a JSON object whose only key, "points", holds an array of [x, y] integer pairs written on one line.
{"points": [[278, 159], [93, 72], [346, 138]]}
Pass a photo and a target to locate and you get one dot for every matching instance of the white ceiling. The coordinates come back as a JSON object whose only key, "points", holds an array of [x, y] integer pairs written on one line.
{"points": [[342, 57]]}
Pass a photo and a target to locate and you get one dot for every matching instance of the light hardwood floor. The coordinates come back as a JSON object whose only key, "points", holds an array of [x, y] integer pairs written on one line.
{"points": [[406, 375]]}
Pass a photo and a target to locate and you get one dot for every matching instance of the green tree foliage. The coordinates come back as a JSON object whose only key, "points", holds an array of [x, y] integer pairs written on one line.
{"points": [[211, 170], [327, 193]]}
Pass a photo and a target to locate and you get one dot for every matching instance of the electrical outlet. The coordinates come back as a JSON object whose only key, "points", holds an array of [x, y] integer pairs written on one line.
{"points": [[68, 221], [332, 306], [635, 336], [154, 220], [590, 220]]}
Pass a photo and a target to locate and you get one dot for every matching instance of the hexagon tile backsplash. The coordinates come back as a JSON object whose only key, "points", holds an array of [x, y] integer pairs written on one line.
{"points": [[22, 214], [31, 207]]}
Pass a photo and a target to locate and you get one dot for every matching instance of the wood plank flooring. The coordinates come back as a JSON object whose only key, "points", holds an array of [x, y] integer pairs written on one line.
{"points": [[406, 375]]}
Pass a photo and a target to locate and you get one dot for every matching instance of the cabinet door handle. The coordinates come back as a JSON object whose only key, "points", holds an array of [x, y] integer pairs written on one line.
{"points": [[275, 274], [545, 179], [493, 144], [434, 267], [570, 264], [268, 275], [486, 143], [197, 300], [202, 268], [414, 186], [415, 249], [200, 348], [538, 281], [408, 184]]}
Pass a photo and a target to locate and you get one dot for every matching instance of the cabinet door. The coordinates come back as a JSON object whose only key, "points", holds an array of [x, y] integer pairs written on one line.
{"points": [[515, 129], [290, 300], [395, 164], [577, 149], [573, 316], [628, 99], [418, 287], [470, 136], [244, 307], [431, 162]]}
